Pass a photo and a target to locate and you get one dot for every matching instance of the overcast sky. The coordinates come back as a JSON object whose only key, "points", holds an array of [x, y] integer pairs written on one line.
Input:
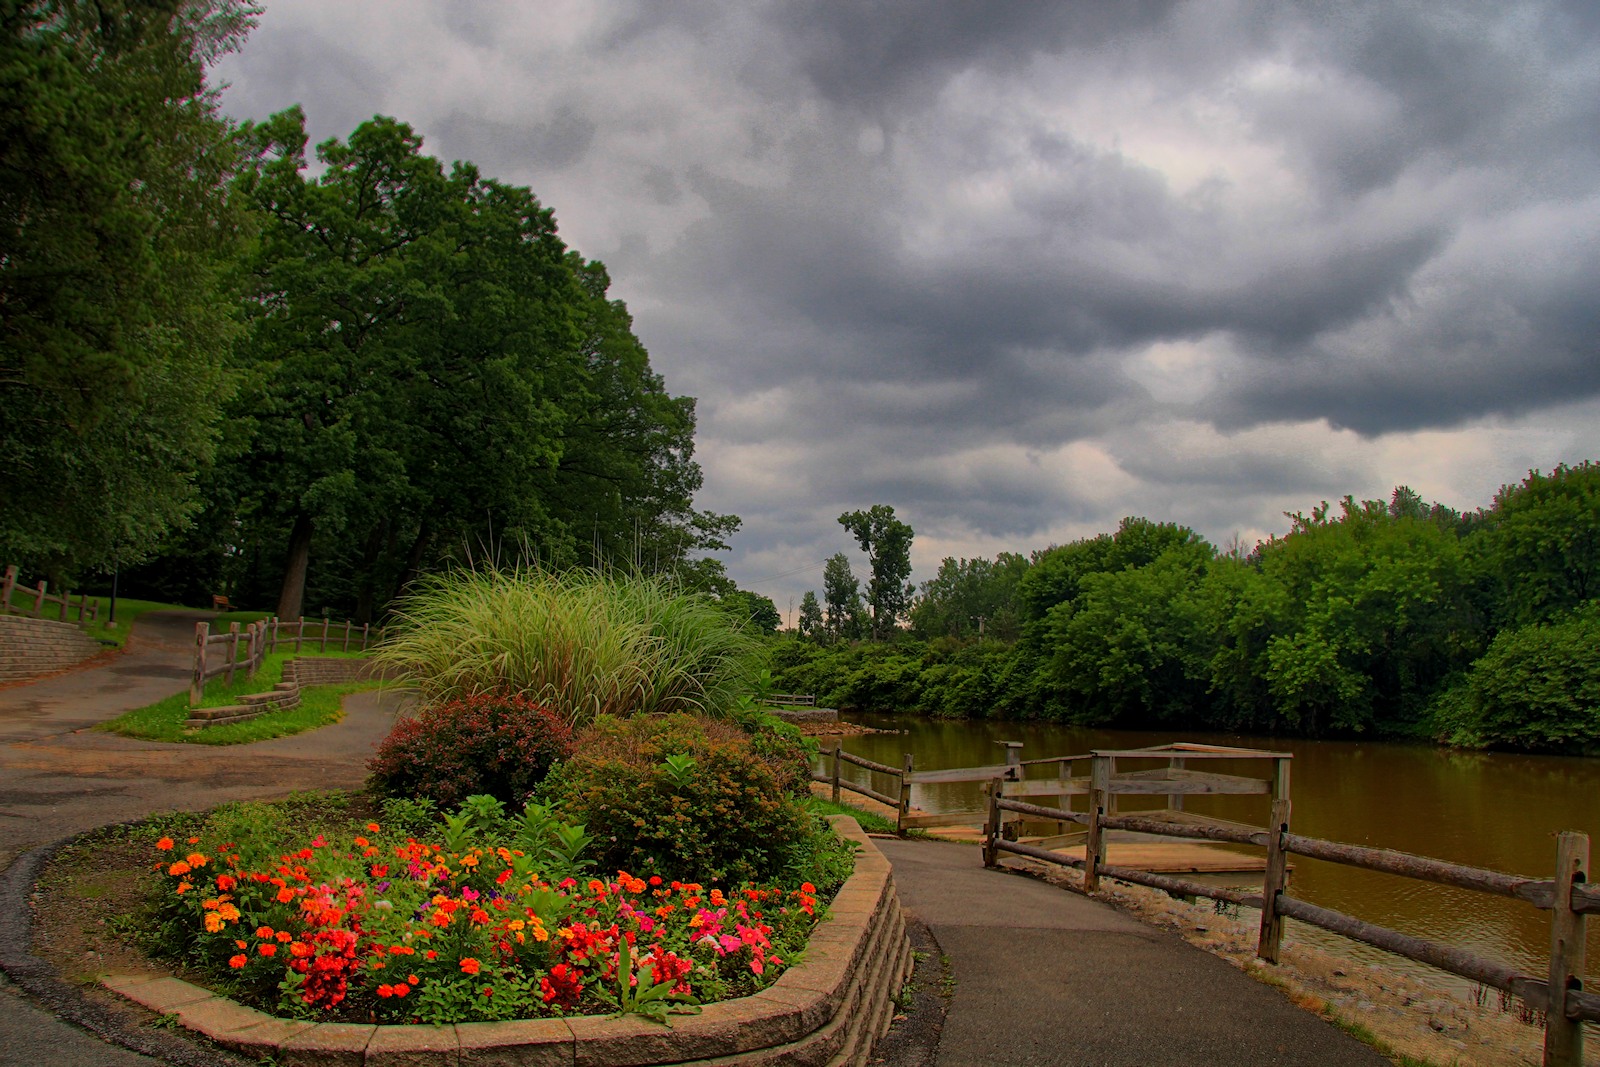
{"points": [[1022, 269]]}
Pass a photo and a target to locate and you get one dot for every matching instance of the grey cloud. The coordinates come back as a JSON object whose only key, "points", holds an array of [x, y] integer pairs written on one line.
{"points": [[499, 146]]}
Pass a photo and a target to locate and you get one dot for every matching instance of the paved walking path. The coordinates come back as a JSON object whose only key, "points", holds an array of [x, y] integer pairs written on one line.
{"points": [[1042, 976]]}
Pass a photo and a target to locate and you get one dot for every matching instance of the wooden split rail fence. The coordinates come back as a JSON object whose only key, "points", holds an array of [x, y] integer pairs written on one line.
{"points": [[906, 776], [1559, 996], [10, 586], [245, 649]]}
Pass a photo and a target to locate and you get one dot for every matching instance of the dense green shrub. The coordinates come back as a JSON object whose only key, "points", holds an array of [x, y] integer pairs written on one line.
{"points": [[1537, 687], [585, 644], [502, 744], [684, 797]]}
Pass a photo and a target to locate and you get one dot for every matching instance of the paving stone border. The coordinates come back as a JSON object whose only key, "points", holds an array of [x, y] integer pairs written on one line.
{"points": [[831, 1008]]}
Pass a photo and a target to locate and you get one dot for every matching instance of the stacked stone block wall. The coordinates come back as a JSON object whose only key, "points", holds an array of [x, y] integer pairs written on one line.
{"points": [[30, 647]]}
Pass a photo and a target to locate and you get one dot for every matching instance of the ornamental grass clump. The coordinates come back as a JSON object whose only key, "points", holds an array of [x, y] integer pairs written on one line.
{"points": [[581, 643], [473, 924]]}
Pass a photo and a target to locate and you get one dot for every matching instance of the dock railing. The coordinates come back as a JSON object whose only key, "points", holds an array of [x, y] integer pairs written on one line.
{"points": [[1559, 996], [905, 776]]}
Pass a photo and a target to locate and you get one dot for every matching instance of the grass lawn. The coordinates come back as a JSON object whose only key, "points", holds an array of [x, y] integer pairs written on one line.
{"points": [[871, 822], [164, 720]]}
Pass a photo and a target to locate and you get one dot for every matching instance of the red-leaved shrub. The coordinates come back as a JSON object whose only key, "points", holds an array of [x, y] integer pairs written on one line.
{"points": [[502, 744]]}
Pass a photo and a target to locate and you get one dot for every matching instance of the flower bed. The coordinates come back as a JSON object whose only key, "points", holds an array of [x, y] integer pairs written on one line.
{"points": [[830, 1007], [374, 930]]}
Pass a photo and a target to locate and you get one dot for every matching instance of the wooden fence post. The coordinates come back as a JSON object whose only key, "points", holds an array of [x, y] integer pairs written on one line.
{"points": [[1563, 1036], [835, 777], [83, 608], [7, 584], [38, 598], [233, 651], [1014, 772], [1272, 883], [346, 647], [366, 626], [197, 685], [905, 798], [991, 826], [324, 646], [1094, 845], [1175, 800], [66, 601]]}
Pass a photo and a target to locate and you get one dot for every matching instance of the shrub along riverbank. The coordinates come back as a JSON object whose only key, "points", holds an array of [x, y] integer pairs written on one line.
{"points": [[1390, 619]]}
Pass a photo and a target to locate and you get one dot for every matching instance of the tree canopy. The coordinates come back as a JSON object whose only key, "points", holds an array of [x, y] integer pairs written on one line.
{"points": [[119, 241]]}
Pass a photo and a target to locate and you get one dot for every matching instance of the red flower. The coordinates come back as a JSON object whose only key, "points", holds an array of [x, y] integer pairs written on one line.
{"points": [[470, 966]]}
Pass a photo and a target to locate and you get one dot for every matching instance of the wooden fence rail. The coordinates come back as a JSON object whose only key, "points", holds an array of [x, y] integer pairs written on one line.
{"points": [[260, 639], [10, 586]]}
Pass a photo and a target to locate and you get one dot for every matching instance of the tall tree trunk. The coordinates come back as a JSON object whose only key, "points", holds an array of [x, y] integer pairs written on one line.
{"points": [[291, 600], [414, 563]]}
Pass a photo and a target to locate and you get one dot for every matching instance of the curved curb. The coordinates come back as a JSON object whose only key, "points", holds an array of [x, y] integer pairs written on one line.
{"points": [[832, 1007]]}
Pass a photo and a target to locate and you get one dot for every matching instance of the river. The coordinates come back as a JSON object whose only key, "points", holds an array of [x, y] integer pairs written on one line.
{"points": [[1489, 810]]}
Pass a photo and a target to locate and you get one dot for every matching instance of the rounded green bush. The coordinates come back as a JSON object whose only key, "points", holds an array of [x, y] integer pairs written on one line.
{"points": [[685, 797]]}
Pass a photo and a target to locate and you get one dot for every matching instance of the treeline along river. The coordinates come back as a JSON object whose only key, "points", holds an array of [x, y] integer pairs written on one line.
{"points": [[1500, 811]]}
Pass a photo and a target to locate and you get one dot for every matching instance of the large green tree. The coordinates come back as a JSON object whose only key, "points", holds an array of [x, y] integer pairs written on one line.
{"points": [[887, 542], [841, 591], [118, 239], [434, 375]]}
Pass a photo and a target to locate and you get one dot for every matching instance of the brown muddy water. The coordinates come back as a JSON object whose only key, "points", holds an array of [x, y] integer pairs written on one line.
{"points": [[1483, 809]]}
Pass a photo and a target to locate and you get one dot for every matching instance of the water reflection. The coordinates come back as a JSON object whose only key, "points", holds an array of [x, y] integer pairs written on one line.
{"points": [[1487, 810]]}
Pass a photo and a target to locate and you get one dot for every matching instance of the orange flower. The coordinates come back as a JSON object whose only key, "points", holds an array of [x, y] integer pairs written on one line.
{"points": [[264, 932], [226, 882], [268, 949], [165, 844], [385, 991], [470, 966], [238, 961], [400, 989], [177, 869], [284, 937], [372, 827], [285, 895]]}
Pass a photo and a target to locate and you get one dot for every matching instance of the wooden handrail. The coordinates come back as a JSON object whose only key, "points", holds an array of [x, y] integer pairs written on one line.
{"points": [[1538, 892]]}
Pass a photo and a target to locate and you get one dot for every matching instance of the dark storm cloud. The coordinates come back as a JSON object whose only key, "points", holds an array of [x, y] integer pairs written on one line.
{"points": [[500, 146], [871, 52], [1022, 269]]}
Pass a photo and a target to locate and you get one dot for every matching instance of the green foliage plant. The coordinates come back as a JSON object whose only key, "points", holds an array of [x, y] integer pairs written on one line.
{"points": [[584, 644], [736, 818]]}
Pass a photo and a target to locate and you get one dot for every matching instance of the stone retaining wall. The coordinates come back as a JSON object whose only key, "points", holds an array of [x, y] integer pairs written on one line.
{"points": [[831, 1008], [31, 646], [297, 672]]}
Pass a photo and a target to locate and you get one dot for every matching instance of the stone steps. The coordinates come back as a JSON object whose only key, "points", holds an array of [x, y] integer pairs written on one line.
{"points": [[30, 646]]}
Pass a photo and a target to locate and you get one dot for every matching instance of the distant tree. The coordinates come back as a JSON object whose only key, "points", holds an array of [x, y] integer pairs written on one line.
{"points": [[753, 610], [1540, 545], [811, 622], [842, 593], [971, 597], [118, 241], [887, 542]]}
